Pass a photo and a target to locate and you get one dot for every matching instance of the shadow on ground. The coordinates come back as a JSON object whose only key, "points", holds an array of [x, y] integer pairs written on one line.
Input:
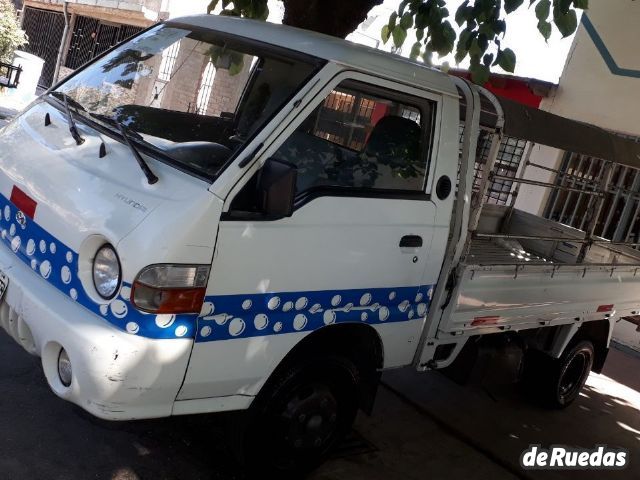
{"points": [[432, 429]]}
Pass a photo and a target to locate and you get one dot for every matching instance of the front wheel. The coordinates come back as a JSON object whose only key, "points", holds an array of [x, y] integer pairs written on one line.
{"points": [[557, 382], [301, 415]]}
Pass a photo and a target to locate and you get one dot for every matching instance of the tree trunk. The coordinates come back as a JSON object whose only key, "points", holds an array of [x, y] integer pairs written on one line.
{"points": [[333, 17]]}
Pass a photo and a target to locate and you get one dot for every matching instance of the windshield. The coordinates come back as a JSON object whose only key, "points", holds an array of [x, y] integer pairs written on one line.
{"points": [[194, 95]]}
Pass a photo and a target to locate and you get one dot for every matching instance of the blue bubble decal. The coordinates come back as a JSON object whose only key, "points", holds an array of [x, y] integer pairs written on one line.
{"points": [[222, 317]]}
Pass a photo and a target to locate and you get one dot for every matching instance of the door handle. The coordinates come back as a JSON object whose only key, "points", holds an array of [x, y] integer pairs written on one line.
{"points": [[411, 241]]}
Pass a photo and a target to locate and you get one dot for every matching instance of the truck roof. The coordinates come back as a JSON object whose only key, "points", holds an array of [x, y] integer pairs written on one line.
{"points": [[358, 57]]}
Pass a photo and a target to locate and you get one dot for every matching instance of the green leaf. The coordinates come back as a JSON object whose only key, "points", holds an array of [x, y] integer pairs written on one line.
{"points": [[487, 59], [544, 28], [416, 50], [420, 33], [566, 23], [393, 18], [479, 74], [483, 42], [385, 33], [475, 49], [399, 35], [212, 5], [402, 6], [463, 13], [582, 4], [543, 8], [507, 60], [563, 5], [236, 67], [512, 5], [406, 21], [486, 29], [449, 34], [422, 19], [461, 53], [499, 27]]}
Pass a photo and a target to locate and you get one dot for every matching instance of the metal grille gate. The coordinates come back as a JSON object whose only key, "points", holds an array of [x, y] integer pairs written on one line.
{"points": [[619, 218], [92, 37], [44, 29]]}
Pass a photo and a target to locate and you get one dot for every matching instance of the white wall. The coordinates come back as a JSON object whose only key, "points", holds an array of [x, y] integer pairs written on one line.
{"points": [[588, 90], [531, 198]]}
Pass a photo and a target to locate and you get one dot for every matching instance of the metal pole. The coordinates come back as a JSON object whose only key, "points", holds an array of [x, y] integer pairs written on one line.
{"points": [[572, 184], [542, 184], [586, 184], [601, 171], [487, 177], [63, 42], [566, 163], [624, 220], [604, 186]]}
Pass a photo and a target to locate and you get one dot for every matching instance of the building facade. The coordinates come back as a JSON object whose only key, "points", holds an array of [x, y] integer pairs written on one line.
{"points": [[599, 86]]}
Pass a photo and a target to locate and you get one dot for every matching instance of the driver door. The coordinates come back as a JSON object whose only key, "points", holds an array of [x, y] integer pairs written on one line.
{"points": [[354, 249]]}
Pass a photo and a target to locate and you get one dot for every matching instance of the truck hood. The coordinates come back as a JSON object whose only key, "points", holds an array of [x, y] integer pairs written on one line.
{"points": [[77, 193]]}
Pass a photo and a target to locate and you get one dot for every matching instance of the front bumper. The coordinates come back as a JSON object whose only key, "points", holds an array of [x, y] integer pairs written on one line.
{"points": [[116, 376]]}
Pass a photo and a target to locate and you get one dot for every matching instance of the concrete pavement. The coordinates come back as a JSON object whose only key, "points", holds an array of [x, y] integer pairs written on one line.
{"points": [[423, 426]]}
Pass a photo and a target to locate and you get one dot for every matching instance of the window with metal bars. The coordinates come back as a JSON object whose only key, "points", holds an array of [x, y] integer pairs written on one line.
{"points": [[44, 29], [347, 117], [168, 62], [619, 217], [92, 37], [204, 92]]}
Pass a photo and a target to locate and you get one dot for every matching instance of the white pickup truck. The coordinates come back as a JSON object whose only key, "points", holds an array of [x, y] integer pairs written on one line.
{"points": [[222, 214]]}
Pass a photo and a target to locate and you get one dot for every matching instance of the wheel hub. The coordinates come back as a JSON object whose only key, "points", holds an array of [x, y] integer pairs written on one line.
{"points": [[310, 416], [573, 374]]}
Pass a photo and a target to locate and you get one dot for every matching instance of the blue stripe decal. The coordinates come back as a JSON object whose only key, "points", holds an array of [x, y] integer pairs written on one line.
{"points": [[232, 316], [58, 265], [605, 53], [223, 316]]}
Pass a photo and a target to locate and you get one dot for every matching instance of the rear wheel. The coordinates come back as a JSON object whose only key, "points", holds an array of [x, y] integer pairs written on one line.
{"points": [[557, 382], [301, 415]]}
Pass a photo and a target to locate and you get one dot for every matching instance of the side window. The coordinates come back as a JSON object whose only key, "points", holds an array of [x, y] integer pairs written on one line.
{"points": [[362, 137]]}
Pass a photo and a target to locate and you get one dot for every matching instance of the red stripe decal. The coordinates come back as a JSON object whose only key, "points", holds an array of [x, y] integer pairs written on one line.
{"points": [[605, 308], [484, 321], [24, 202]]}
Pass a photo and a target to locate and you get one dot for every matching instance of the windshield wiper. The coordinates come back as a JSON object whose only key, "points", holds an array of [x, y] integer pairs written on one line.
{"points": [[114, 122], [124, 131], [151, 177], [72, 123]]}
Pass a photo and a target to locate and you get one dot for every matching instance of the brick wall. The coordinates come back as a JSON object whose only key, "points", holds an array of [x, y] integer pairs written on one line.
{"points": [[227, 90]]}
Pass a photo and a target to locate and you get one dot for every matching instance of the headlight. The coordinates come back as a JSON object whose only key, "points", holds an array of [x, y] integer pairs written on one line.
{"points": [[106, 272]]}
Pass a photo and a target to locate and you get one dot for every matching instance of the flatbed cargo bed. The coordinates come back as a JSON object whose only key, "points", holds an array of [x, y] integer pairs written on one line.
{"points": [[511, 281]]}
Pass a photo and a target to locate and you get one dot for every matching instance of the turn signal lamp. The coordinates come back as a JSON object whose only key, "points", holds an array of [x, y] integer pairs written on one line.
{"points": [[170, 288]]}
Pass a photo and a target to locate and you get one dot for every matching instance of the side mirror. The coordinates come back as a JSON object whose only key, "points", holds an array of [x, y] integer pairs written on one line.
{"points": [[277, 188]]}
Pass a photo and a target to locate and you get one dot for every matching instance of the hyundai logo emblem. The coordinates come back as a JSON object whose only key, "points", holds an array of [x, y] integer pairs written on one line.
{"points": [[21, 219]]}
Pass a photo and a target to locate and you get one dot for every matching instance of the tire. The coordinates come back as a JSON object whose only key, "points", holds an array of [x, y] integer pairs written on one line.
{"points": [[556, 383], [299, 416]]}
